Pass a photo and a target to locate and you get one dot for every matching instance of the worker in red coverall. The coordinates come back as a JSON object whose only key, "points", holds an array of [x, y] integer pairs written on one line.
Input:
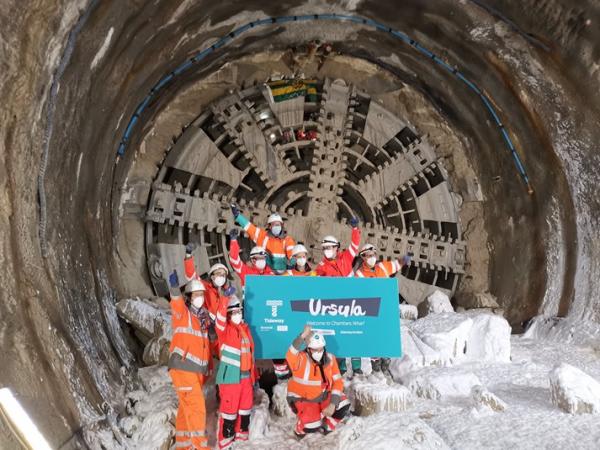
{"points": [[257, 266], [336, 263], [216, 284], [316, 389], [236, 373], [339, 264], [258, 259]]}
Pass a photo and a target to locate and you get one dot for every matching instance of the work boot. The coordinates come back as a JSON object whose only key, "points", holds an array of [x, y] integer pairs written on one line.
{"points": [[324, 430], [299, 436], [376, 364], [385, 365]]}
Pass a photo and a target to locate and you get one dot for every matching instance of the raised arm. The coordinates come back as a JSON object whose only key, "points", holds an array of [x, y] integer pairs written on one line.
{"points": [[234, 256], [188, 262], [294, 355], [178, 307]]}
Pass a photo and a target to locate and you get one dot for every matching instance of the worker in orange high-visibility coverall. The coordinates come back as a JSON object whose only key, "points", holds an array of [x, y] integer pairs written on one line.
{"points": [[189, 361], [236, 373], [370, 268], [316, 389], [274, 239]]}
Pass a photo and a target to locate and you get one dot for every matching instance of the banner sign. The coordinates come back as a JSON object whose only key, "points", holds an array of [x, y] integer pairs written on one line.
{"points": [[358, 316]]}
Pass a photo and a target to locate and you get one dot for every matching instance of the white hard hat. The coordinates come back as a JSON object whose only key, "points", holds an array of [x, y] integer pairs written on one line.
{"points": [[193, 286], [257, 251], [299, 248], [366, 248], [216, 267], [234, 303], [317, 340], [274, 218], [329, 240]]}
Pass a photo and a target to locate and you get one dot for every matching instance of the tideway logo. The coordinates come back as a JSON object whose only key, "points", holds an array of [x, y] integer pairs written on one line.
{"points": [[345, 307], [274, 304]]}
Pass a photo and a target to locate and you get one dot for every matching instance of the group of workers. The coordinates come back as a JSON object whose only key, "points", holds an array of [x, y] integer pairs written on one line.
{"points": [[208, 323]]}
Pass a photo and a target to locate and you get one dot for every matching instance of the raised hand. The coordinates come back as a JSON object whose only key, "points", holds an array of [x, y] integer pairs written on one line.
{"points": [[189, 248], [354, 222], [229, 291], [235, 210], [174, 279], [406, 260], [233, 234]]}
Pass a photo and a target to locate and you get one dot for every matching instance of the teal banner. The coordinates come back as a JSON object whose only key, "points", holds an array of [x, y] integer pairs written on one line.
{"points": [[359, 317]]}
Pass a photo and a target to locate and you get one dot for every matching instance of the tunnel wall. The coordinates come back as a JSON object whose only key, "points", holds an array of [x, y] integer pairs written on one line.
{"points": [[65, 350]]}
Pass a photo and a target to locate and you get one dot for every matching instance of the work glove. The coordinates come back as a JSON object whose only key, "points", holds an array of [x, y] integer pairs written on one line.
{"points": [[406, 260], [233, 234], [354, 222], [235, 210], [229, 291], [174, 279], [189, 248], [329, 410]]}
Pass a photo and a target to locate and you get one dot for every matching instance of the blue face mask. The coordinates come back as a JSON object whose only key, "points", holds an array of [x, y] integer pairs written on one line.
{"points": [[276, 230]]}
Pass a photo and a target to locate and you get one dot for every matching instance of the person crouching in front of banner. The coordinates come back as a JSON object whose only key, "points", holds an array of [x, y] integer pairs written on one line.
{"points": [[300, 259], [189, 361], [316, 389], [236, 373]]}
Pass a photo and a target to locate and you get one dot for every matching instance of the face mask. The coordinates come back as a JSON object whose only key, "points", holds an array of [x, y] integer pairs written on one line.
{"points": [[371, 261], [329, 253], [301, 262], [236, 318], [198, 302], [260, 264], [219, 281], [317, 355], [276, 230]]}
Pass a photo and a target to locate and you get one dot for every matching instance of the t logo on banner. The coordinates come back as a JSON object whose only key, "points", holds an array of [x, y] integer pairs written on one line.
{"points": [[274, 304]]}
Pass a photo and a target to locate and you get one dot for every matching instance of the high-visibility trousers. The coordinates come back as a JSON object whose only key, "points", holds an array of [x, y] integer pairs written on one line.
{"points": [[190, 424], [311, 418], [234, 412]]}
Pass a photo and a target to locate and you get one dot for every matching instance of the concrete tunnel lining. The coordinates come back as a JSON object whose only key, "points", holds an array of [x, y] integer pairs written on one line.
{"points": [[74, 340]]}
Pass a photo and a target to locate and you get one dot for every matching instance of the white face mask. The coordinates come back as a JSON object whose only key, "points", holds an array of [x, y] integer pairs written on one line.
{"points": [[329, 253], [317, 355], [276, 230], [236, 318], [219, 281], [301, 262], [260, 264], [371, 261], [198, 302]]}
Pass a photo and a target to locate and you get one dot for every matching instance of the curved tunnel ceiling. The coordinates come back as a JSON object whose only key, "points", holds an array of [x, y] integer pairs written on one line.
{"points": [[77, 71]]}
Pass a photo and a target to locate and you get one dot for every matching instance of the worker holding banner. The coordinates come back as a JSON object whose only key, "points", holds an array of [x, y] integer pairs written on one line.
{"points": [[257, 266], [236, 373], [276, 242], [370, 268], [316, 389], [339, 264], [300, 267]]}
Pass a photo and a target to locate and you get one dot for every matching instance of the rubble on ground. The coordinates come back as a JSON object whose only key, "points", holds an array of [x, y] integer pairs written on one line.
{"points": [[574, 391], [484, 399], [436, 303], [440, 383]]}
